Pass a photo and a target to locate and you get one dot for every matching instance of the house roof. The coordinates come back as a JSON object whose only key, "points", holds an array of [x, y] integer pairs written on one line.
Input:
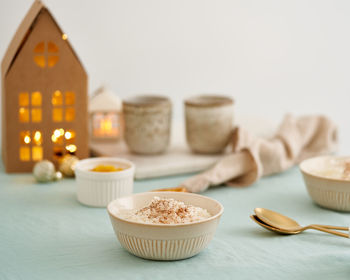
{"points": [[22, 33], [104, 100]]}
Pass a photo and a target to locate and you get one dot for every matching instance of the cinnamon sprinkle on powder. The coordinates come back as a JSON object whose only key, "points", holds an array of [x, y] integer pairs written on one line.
{"points": [[168, 211]]}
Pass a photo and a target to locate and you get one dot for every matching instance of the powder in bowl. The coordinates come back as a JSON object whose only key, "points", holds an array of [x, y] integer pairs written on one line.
{"points": [[167, 211], [335, 168]]}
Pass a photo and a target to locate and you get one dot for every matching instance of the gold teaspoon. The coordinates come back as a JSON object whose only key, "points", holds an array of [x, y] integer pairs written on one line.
{"points": [[256, 219], [279, 223], [289, 232], [268, 227]]}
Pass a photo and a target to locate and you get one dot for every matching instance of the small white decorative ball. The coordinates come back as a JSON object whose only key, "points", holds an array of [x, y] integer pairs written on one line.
{"points": [[58, 176], [67, 165], [44, 171]]}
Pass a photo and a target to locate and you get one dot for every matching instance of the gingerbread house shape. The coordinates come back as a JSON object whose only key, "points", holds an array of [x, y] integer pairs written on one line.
{"points": [[44, 95]]}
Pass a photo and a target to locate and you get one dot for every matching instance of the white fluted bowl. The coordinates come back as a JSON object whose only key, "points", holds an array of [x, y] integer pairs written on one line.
{"points": [[99, 188], [327, 192], [164, 241]]}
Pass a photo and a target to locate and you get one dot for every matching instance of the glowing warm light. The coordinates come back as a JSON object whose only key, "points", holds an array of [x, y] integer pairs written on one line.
{"points": [[63, 140], [52, 60], [23, 114], [40, 48], [57, 133], [46, 54], [37, 137], [70, 114], [57, 114], [71, 148], [36, 98], [64, 36], [24, 150], [68, 135], [57, 98], [37, 153], [36, 115], [23, 99], [70, 98], [40, 60], [51, 47], [24, 153], [106, 125], [26, 139]]}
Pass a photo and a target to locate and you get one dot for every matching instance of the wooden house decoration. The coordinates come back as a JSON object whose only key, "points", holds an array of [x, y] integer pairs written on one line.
{"points": [[105, 110], [44, 95]]}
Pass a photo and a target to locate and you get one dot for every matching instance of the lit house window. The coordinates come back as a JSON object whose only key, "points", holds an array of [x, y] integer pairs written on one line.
{"points": [[23, 111], [30, 145], [36, 106], [30, 107], [46, 54], [63, 106]]}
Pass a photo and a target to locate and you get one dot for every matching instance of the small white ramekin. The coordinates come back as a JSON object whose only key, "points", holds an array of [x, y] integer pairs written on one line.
{"points": [[164, 241], [327, 192], [99, 188]]}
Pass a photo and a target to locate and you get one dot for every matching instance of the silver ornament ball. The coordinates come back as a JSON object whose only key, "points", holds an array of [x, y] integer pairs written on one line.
{"points": [[44, 171]]}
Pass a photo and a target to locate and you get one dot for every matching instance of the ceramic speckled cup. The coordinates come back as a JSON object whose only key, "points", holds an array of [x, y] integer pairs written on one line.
{"points": [[209, 123], [147, 124]]}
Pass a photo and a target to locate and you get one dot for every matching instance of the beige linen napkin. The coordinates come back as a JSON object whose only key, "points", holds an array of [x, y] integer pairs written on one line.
{"points": [[296, 139]]}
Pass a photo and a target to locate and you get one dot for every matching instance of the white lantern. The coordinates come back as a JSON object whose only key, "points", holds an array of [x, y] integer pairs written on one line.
{"points": [[105, 110]]}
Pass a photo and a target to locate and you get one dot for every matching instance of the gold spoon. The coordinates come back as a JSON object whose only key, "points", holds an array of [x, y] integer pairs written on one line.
{"points": [[256, 219], [268, 227], [279, 223]]}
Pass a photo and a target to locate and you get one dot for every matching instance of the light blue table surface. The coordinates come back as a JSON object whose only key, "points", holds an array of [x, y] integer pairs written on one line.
{"points": [[46, 234]]}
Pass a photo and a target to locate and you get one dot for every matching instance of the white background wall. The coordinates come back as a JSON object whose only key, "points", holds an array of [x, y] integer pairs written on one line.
{"points": [[272, 56]]}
